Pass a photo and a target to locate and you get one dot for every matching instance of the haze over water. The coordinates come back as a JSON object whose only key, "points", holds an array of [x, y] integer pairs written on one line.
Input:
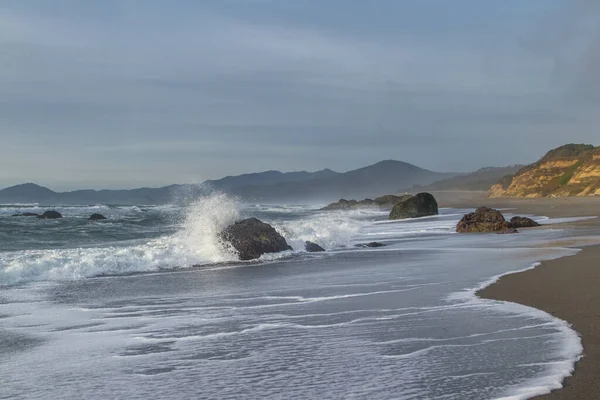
{"points": [[148, 304]]}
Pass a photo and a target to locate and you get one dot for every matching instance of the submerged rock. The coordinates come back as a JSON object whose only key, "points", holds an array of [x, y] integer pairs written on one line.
{"points": [[27, 214], [252, 238], [313, 247], [484, 219], [419, 205], [96, 217], [372, 244], [522, 222], [50, 215]]}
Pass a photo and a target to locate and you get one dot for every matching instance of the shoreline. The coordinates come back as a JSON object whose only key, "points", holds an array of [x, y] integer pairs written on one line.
{"points": [[567, 288]]}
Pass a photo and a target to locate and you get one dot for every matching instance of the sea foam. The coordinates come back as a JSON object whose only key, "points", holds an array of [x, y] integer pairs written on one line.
{"points": [[196, 242]]}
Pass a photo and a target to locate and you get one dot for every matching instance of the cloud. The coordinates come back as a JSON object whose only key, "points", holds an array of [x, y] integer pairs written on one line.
{"points": [[205, 90]]}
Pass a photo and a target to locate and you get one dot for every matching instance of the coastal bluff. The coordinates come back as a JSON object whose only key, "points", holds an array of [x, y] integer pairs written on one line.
{"points": [[569, 170]]}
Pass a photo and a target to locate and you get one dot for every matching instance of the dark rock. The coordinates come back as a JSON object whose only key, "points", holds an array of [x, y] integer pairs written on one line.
{"points": [[523, 222], [387, 201], [27, 214], [344, 204], [419, 205], [50, 215], [372, 244], [253, 238], [96, 217], [313, 247], [484, 219]]}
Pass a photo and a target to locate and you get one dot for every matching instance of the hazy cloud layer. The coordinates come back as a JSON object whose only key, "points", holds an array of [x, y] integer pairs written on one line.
{"points": [[131, 93]]}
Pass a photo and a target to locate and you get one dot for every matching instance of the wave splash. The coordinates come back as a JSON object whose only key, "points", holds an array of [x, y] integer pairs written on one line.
{"points": [[195, 242]]}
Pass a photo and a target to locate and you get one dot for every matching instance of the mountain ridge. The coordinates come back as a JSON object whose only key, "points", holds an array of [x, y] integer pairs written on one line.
{"points": [[384, 177]]}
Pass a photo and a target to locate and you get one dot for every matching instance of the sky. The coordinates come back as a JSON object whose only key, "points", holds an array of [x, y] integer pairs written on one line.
{"points": [[130, 93]]}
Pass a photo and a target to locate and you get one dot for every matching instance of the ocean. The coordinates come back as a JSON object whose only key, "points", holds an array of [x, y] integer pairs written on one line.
{"points": [[148, 305]]}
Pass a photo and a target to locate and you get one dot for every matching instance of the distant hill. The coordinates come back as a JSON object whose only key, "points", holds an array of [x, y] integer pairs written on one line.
{"points": [[569, 170], [382, 178], [25, 192], [480, 180], [385, 177], [267, 178]]}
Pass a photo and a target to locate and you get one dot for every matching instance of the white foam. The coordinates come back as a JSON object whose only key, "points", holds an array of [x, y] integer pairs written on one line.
{"points": [[571, 349], [328, 229], [197, 242]]}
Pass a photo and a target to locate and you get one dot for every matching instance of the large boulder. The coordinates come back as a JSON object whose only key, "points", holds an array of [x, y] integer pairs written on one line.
{"points": [[419, 205], [484, 219], [312, 247], [252, 238], [50, 215], [96, 217], [523, 222]]}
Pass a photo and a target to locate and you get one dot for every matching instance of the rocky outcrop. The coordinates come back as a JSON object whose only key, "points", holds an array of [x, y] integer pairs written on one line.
{"points": [[570, 170], [252, 238], [484, 219], [419, 205], [27, 214], [387, 201], [522, 222], [312, 247], [50, 215], [96, 217]]}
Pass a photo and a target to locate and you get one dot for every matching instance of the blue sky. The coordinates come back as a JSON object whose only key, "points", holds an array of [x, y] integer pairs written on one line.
{"points": [[143, 92]]}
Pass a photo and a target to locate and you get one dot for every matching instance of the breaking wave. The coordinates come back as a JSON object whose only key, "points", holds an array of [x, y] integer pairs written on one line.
{"points": [[195, 240]]}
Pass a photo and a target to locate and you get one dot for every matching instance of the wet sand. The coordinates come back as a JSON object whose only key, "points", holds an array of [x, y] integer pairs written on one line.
{"points": [[568, 288]]}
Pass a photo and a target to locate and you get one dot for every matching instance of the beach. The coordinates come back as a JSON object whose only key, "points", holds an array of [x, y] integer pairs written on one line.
{"points": [[145, 305], [566, 288]]}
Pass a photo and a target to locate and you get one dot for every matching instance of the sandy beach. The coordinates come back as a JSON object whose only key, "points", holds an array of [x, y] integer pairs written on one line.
{"points": [[566, 288]]}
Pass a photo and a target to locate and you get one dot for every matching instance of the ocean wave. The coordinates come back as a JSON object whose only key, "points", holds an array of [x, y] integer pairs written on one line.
{"points": [[195, 241]]}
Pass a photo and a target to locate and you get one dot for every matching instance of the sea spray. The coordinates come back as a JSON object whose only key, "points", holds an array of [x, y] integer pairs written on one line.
{"points": [[204, 220], [178, 237], [195, 242], [328, 229]]}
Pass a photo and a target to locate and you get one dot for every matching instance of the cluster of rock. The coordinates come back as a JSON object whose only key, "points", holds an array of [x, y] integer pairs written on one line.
{"points": [[56, 215], [405, 206], [485, 219], [387, 201], [251, 238]]}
